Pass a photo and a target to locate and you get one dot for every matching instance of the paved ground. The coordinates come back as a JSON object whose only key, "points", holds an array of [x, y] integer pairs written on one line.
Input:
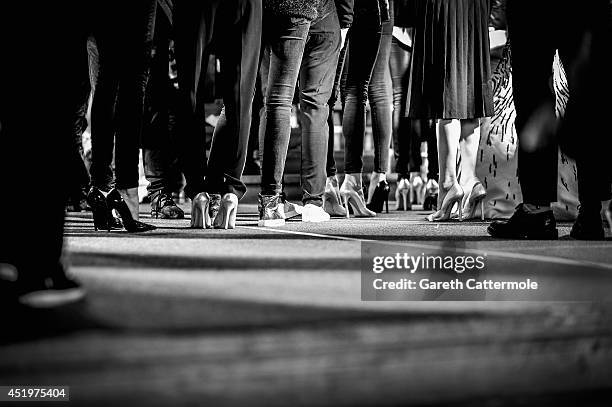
{"points": [[257, 316]]}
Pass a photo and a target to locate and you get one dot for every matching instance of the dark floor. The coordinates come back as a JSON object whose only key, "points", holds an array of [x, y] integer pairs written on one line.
{"points": [[269, 317]]}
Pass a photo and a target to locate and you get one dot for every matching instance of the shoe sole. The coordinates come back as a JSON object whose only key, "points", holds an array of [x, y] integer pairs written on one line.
{"points": [[52, 298], [271, 222], [528, 236]]}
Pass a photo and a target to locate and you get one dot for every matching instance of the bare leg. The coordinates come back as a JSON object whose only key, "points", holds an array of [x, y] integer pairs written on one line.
{"points": [[449, 133], [469, 143]]}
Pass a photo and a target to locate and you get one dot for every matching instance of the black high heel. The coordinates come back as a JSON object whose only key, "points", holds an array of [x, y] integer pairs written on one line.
{"points": [[380, 197], [102, 213], [115, 201]]}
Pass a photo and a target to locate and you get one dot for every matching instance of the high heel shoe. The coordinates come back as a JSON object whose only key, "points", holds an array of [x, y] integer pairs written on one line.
{"points": [[331, 198], [200, 211], [474, 199], [403, 192], [352, 193], [417, 189], [380, 197], [454, 195], [116, 202], [226, 217], [102, 214]]}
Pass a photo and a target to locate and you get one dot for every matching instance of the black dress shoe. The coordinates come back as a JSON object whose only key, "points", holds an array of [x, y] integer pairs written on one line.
{"points": [[588, 225], [525, 225]]}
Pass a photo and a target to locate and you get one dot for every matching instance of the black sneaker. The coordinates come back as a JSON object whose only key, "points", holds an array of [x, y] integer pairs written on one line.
{"points": [[525, 225], [51, 292], [164, 207], [588, 225]]}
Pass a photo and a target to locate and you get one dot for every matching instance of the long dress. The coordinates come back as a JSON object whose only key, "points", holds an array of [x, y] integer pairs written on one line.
{"points": [[450, 69]]}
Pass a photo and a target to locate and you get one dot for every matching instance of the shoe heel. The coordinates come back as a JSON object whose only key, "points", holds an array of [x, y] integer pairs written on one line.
{"points": [[405, 199], [345, 200], [460, 210], [200, 216], [387, 203], [482, 209], [226, 218]]}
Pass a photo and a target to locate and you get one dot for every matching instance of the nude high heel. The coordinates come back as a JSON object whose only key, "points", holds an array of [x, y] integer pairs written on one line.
{"points": [[453, 196], [352, 193], [226, 217], [403, 192], [200, 217], [476, 198]]}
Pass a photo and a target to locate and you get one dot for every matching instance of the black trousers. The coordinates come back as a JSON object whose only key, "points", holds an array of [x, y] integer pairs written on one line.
{"points": [[36, 128], [581, 34], [230, 29], [160, 156], [124, 33]]}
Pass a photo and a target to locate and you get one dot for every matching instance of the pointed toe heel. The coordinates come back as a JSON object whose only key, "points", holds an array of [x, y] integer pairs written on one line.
{"points": [[200, 215], [226, 217]]}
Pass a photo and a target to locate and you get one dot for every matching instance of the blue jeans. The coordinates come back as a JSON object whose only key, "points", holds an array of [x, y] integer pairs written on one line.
{"points": [[368, 79], [308, 53]]}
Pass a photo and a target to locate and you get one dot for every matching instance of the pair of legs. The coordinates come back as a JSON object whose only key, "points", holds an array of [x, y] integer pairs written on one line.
{"points": [[36, 133], [118, 102], [367, 78], [457, 136], [582, 35], [308, 53], [231, 29], [160, 157]]}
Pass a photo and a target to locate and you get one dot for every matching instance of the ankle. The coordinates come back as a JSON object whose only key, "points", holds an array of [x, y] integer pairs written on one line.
{"points": [[533, 208]]}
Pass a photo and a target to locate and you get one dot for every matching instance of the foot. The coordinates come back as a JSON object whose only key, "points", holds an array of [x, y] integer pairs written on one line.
{"points": [[526, 225], [452, 196], [271, 212], [164, 207], [130, 196], [290, 209], [314, 213], [332, 203], [588, 225]]}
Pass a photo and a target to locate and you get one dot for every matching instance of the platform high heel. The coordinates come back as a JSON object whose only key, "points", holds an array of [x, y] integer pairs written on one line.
{"points": [[226, 217], [102, 213], [380, 197], [352, 193], [453, 196], [403, 192], [116, 202], [200, 211], [476, 198]]}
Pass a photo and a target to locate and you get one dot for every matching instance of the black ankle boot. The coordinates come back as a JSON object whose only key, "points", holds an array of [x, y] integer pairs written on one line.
{"points": [[526, 225], [588, 225]]}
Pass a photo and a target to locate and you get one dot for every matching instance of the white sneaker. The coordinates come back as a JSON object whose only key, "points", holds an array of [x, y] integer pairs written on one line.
{"points": [[314, 213], [291, 210]]}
